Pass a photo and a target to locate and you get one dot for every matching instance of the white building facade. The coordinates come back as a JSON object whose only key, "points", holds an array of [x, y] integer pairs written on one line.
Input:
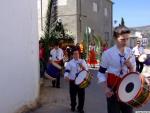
{"points": [[19, 70]]}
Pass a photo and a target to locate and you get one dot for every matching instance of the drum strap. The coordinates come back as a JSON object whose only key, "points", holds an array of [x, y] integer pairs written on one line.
{"points": [[57, 54], [77, 74], [121, 63], [102, 69]]}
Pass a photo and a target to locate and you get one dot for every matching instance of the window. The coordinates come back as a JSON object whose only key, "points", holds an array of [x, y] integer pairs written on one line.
{"points": [[105, 11], [62, 2], [95, 7], [106, 36]]}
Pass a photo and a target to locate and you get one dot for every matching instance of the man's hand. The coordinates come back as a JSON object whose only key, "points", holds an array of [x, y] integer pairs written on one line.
{"points": [[129, 64], [108, 92], [81, 66], [49, 61], [57, 58], [66, 78]]}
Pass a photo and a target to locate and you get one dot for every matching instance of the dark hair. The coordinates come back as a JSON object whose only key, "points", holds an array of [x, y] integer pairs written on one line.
{"points": [[41, 41], [75, 49], [56, 43], [77, 44], [120, 30]]}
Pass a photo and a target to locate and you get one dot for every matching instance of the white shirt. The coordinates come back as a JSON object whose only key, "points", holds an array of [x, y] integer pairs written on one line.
{"points": [[91, 47], [56, 54], [138, 50], [113, 63], [73, 66]]}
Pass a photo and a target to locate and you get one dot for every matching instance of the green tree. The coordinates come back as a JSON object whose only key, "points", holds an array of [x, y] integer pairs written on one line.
{"points": [[48, 19], [122, 22], [54, 29]]}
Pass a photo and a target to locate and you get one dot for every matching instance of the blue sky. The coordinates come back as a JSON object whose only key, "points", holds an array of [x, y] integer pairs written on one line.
{"points": [[135, 12]]}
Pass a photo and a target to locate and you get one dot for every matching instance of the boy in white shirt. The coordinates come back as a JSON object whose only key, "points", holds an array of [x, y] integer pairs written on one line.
{"points": [[138, 51], [56, 55], [117, 61], [73, 67]]}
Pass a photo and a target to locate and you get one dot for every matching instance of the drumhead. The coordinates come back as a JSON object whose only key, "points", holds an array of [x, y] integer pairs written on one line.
{"points": [[129, 87], [80, 78], [142, 58]]}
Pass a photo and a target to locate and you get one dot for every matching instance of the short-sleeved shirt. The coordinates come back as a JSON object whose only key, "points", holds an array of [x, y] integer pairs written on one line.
{"points": [[113, 62], [57, 54], [73, 67], [138, 51]]}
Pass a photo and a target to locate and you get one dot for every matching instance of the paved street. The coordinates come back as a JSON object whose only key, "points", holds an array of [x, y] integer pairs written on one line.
{"points": [[57, 100]]}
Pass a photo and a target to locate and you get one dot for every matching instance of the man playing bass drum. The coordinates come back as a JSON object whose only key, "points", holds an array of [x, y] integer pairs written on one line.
{"points": [[117, 62]]}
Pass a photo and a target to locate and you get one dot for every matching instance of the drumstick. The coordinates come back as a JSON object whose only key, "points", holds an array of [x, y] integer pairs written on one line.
{"points": [[81, 66], [129, 64], [129, 58]]}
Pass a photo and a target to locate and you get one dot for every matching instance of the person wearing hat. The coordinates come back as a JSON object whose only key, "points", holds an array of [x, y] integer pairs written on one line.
{"points": [[138, 50], [116, 62]]}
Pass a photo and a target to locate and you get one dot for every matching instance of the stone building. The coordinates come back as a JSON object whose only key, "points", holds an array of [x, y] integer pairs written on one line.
{"points": [[77, 15]]}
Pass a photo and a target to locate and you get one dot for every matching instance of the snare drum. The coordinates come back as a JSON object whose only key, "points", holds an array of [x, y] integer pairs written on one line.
{"points": [[83, 79], [134, 90]]}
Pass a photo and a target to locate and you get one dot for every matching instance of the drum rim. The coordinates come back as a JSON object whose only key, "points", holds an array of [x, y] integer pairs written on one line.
{"points": [[55, 63], [86, 81], [120, 83], [79, 73], [141, 89], [138, 94], [140, 57], [145, 99]]}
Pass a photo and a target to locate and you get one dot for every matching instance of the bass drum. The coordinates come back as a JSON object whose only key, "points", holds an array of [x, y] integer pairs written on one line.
{"points": [[134, 90]]}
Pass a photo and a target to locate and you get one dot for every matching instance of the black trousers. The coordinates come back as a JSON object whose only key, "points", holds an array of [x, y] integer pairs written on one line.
{"points": [[115, 106], [56, 82], [42, 68], [139, 65], [74, 91]]}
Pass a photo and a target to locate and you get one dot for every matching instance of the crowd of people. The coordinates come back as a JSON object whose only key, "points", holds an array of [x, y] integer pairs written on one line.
{"points": [[116, 62]]}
